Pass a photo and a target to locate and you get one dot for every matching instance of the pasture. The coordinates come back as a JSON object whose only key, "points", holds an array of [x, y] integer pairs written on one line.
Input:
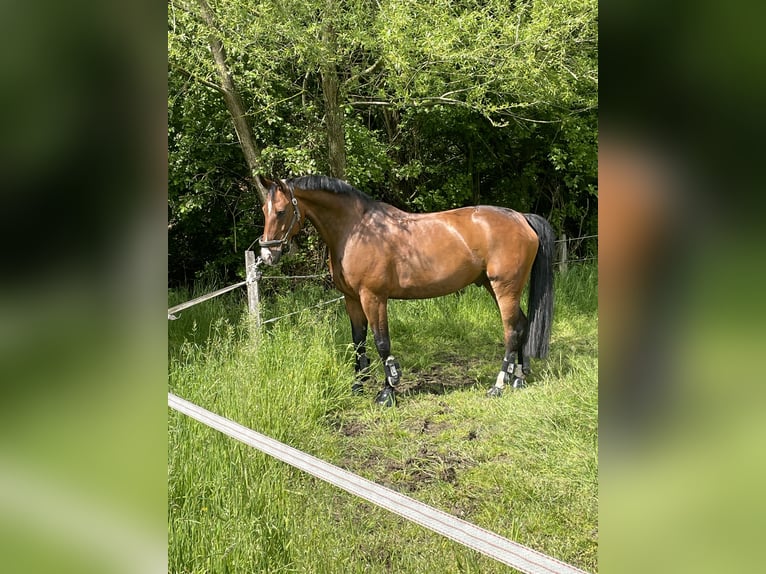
{"points": [[524, 465]]}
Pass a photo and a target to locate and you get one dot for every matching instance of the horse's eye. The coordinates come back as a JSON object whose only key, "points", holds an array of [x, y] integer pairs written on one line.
{"points": [[281, 213]]}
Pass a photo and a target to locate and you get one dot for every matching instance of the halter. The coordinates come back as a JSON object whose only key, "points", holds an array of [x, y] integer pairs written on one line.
{"points": [[284, 242]]}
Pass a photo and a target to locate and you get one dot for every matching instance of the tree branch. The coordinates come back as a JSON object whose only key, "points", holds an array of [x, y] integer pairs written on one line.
{"points": [[373, 68], [196, 78], [372, 103]]}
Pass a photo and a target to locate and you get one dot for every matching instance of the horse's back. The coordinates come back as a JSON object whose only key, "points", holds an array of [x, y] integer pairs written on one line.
{"points": [[404, 255], [494, 228]]}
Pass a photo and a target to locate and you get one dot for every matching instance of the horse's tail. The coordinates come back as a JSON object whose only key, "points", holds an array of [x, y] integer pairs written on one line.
{"points": [[540, 307]]}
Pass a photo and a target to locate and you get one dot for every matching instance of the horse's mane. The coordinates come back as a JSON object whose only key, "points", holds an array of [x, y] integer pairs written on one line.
{"points": [[330, 184]]}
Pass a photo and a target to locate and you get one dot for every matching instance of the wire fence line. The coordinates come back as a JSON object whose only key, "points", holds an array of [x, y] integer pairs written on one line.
{"points": [[318, 305], [568, 239], [490, 544], [253, 276], [325, 275], [173, 310]]}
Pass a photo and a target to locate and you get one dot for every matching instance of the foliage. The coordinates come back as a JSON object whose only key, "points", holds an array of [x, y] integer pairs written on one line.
{"points": [[444, 104]]}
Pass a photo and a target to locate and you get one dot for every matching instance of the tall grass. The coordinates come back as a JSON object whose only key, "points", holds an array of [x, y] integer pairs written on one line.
{"points": [[524, 466]]}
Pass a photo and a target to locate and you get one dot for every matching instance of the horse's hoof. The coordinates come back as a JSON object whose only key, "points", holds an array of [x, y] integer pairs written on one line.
{"points": [[357, 388], [495, 392], [519, 383], [386, 398]]}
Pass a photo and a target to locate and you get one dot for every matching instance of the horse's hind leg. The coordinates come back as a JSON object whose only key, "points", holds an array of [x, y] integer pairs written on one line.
{"points": [[524, 362], [515, 329], [359, 336], [522, 367]]}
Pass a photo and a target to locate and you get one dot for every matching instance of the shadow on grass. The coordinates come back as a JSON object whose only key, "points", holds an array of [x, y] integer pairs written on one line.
{"points": [[448, 372]]}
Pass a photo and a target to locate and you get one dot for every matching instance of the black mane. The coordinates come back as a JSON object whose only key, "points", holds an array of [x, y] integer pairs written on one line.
{"points": [[330, 184]]}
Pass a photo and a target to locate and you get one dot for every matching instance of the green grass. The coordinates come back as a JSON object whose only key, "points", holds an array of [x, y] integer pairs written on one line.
{"points": [[524, 466]]}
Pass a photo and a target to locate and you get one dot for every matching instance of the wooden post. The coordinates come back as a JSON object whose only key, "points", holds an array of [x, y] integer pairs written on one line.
{"points": [[253, 298], [563, 243]]}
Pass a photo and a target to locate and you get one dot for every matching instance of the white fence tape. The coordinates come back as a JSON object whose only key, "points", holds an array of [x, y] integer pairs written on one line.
{"points": [[501, 549], [173, 310]]}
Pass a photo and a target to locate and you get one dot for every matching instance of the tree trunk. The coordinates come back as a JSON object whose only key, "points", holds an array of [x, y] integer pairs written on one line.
{"points": [[336, 138], [234, 102]]}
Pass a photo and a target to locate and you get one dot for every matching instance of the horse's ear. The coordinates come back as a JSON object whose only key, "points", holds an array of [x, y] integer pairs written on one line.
{"points": [[262, 181], [262, 185]]}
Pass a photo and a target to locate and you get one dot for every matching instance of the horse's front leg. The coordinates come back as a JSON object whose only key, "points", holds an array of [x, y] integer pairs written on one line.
{"points": [[359, 336], [377, 314]]}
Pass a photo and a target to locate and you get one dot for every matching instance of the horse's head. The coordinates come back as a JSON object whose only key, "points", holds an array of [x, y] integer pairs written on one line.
{"points": [[282, 220]]}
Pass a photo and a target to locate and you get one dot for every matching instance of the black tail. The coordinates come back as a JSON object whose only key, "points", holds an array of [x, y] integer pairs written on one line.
{"points": [[540, 307]]}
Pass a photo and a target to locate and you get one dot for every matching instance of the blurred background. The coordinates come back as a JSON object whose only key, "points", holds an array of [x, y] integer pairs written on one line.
{"points": [[681, 395], [83, 172], [82, 288]]}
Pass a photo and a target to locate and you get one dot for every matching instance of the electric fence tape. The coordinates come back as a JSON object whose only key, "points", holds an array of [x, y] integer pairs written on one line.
{"points": [[488, 543], [173, 310]]}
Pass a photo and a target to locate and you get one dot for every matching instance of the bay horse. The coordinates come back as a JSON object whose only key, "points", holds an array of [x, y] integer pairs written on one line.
{"points": [[378, 252]]}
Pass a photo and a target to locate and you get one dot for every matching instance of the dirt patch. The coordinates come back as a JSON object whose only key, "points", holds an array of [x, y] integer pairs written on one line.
{"points": [[466, 509], [450, 475], [436, 380], [426, 426], [425, 468], [444, 409], [353, 428], [349, 428]]}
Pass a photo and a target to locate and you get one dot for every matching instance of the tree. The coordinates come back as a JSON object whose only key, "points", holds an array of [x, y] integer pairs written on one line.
{"points": [[336, 139], [426, 105], [232, 98]]}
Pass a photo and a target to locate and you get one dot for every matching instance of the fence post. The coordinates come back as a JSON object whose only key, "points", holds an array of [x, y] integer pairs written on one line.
{"points": [[563, 243], [253, 298]]}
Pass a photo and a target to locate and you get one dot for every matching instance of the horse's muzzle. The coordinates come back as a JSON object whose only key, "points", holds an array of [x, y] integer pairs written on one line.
{"points": [[270, 255]]}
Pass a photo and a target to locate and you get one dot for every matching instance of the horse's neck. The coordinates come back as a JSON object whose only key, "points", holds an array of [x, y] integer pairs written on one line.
{"points": [[333, 215]]}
